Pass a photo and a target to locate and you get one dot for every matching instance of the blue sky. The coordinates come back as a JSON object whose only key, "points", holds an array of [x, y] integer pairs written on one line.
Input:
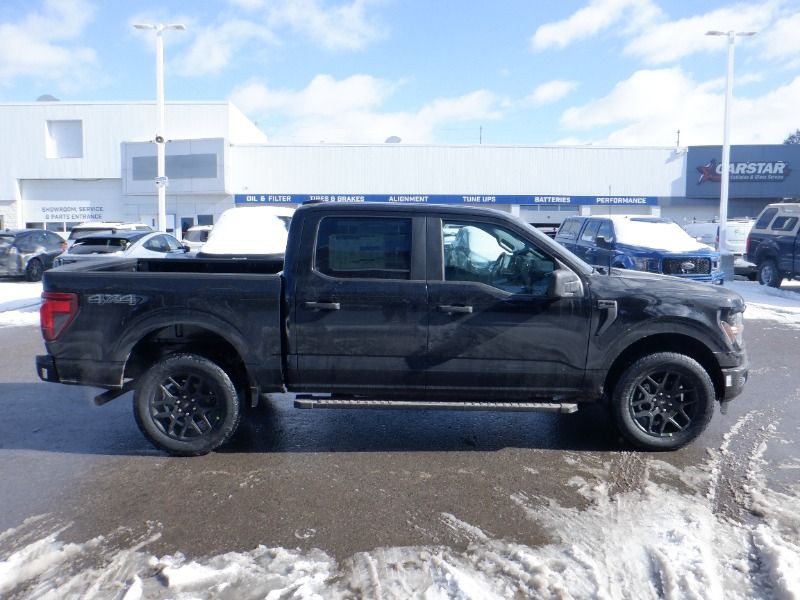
{"points": [[604, 72]]}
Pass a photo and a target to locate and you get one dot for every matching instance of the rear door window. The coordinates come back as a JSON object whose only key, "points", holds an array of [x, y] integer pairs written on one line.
{"points": [[764, 219], [364, 247]]}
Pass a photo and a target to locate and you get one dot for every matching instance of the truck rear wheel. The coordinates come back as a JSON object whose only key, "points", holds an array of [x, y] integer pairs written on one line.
{"points": [[186, 405], [663, 401], [768, 274]]}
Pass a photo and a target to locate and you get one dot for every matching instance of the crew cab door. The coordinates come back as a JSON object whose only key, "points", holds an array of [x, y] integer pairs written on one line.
{"points": [[360, 313], [495, 330]]}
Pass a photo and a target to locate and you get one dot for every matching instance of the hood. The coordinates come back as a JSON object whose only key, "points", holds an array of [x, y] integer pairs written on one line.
{"points": [[693, 249], [663, 287]]}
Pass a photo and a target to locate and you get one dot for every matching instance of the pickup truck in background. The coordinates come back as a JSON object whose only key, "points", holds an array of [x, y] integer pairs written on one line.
{"points": [[642, 243], [773, 243], [394, 306]]}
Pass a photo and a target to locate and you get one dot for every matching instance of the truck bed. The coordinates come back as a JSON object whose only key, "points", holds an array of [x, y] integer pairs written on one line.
{"points": [[139, 307]]}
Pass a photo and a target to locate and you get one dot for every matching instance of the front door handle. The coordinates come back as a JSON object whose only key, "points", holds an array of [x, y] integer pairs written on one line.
{"points": [[450, 309], [322, 305]]}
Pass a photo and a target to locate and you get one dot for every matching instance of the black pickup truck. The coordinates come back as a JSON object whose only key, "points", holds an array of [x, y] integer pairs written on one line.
{"points": [[394, 306]]}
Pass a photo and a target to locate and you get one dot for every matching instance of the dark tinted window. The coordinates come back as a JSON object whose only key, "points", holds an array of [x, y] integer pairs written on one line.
{"points": [[606, 231], [784, 223], [99, 245], [569, 229], [364, 247], [764, 219]]}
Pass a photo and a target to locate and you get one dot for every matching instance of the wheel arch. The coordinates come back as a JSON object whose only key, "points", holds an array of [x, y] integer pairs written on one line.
{"points": [[666, 342], [170, 336]]}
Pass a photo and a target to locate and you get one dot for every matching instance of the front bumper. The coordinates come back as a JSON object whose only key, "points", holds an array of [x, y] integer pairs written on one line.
{"points": [[734, 379]]}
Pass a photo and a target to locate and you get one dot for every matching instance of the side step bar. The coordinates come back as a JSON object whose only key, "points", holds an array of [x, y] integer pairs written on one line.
{"points": [[317, 402]]}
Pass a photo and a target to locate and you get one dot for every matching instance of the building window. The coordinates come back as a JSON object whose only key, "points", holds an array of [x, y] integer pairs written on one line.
{"points": [[64, 139], [176, 166], [205, 219]]}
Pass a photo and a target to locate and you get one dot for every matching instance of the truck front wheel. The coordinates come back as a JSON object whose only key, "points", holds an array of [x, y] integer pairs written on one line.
{"points": [[186, 405], [663, 401]]}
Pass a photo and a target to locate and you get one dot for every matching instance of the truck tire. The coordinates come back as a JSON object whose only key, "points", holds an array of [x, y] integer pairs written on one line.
{"points": [[34, 270], [186, 405], [768, 273], [663, 401]]}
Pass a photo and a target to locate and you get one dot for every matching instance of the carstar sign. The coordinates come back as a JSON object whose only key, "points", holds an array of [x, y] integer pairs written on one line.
{"points": [[763, 171]]}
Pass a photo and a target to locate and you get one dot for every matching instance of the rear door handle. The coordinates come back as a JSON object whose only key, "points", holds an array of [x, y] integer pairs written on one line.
{"points": [[450, 309], [322, 305]]}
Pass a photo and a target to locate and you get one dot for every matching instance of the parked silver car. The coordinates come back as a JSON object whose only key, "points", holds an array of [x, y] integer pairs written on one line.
{"points": [[123, 244]]}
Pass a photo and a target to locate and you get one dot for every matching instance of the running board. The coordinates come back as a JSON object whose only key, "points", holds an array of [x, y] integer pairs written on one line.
{"points": [[558, 407]]}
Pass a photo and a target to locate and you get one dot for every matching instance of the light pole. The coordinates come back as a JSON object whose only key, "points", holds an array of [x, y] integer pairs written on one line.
{"points": [[726, 148], [161, 180]]}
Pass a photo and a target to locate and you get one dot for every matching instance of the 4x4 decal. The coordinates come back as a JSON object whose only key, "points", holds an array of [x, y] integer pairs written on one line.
{"points": [[129, 299]]}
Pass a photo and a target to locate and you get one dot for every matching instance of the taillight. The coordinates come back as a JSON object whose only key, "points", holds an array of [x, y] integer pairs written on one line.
{"points": [[56, 313]]}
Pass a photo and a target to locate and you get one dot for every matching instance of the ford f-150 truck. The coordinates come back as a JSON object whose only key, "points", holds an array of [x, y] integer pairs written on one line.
{"points": [[394, 306]]}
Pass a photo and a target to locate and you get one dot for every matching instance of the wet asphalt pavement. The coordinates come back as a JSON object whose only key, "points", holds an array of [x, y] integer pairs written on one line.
{"points": [[343, 481]]}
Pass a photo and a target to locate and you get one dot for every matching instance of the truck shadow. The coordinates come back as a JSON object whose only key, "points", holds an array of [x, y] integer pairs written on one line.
{"points": [[63, 419]]}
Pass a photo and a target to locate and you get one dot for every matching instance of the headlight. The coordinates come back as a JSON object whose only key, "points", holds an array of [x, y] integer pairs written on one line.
{"points": [[644, 264], [732, 326]]}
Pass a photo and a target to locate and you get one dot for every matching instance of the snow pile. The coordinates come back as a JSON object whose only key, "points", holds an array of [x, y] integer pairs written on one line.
{"points": [[632, 536], [781, 305], [19, 303]]}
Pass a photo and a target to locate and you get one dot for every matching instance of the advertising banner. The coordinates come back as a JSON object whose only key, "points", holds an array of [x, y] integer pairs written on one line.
{"points": [[765, 171], [483, 199]]}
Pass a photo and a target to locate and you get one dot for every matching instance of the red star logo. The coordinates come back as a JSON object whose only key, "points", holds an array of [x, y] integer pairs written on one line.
{"points": [[708, 172]]}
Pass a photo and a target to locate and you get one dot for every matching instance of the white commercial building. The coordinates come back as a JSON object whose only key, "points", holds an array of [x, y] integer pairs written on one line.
{"points": [[62, 163]]}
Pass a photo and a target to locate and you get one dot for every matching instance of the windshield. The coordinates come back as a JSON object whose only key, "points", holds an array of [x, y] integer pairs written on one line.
{"points": [[6, 240], [661, 234]]}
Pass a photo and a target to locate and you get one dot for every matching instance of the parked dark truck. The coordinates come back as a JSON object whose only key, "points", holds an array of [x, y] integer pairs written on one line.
{"points": [[394, 306]]}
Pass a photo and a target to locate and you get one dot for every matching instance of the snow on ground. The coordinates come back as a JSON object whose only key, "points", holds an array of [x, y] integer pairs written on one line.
{"points": [[19, 302], [650, 540]]}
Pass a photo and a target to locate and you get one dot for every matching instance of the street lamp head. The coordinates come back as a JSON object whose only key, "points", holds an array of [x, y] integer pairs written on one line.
{"points": [[746, 33], [160, 26], [716, 33]]}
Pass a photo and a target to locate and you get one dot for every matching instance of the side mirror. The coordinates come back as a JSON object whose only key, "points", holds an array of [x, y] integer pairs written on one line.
{"points": [[603, 241], [565, 284], [186, 247]]}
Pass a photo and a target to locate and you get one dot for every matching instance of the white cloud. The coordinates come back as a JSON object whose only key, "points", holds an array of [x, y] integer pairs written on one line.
{"points": [[782, 40], [595, 17], [43, 45], [343, 27], [673, 40], [213, 47], [650, 106], [552, 91], [348, 110]]}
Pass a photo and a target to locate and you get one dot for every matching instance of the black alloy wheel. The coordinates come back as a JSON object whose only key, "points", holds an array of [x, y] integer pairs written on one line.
{"points": [[663, 401], [186, 405], [34, 270]]}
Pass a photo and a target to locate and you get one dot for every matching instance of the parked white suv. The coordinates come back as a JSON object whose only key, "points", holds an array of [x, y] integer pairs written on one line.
{"points": [[736, 232], [196, 236]]}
